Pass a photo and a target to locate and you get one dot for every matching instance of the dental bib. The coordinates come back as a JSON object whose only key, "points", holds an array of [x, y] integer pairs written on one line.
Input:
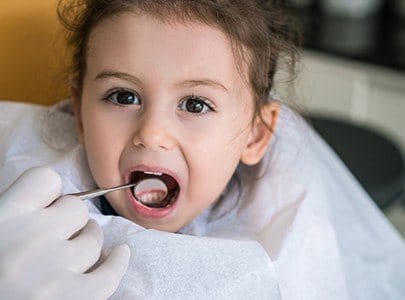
{"points": [[297, 225]]}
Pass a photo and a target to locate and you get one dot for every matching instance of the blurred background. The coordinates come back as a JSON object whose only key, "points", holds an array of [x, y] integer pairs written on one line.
{"points": [[33, 56], [372, 31], [351, 84]]}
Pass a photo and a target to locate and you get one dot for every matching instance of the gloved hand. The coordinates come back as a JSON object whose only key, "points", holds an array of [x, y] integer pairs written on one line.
{"points": [[47, 246]]}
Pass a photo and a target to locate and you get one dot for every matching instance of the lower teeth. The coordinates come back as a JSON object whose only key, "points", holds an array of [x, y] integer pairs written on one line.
{"points": [[152, 197], [151, 192]]}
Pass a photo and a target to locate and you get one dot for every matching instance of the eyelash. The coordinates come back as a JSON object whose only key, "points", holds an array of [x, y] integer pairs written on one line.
{"points": [[184, 100], [203, 100], [110, 93]]}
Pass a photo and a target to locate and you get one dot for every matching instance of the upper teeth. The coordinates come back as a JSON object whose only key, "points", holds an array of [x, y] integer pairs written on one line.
{"points": [[154, 173]]}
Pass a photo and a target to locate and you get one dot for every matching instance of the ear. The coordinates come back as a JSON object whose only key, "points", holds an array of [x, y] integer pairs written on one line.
{"points": [[261, 133], [76, 102]]}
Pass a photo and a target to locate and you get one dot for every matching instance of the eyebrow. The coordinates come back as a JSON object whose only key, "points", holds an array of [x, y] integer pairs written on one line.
{"points": [[120, 75], [186, 83], [202, 82]]}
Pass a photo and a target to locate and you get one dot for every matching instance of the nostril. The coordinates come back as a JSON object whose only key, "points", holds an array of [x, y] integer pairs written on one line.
{"points": [[152, 130], [153, 140]]}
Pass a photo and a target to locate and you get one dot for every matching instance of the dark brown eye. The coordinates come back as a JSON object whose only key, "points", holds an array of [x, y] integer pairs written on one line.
{"points": [[195, 105], [124, 98]]}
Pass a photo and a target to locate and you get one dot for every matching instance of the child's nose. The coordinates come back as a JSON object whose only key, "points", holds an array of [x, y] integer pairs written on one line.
{"points": [[154, 134]]}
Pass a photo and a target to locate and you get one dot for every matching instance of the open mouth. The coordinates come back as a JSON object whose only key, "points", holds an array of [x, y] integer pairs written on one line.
{"points": [[154, 189]]}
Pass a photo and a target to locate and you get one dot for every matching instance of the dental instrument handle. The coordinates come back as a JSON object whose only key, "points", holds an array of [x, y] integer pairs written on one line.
{"points": [[99, 192]]}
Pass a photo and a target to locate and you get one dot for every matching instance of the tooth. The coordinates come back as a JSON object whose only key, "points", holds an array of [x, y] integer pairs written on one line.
{"points": [[153, 173], [152, 198]]}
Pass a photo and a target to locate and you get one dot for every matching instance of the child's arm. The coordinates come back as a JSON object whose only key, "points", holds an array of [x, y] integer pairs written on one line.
{"points": [[38, 256]]}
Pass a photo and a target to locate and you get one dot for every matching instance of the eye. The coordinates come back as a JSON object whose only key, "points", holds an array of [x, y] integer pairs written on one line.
{"points": [[195, 105], [124, 97]]}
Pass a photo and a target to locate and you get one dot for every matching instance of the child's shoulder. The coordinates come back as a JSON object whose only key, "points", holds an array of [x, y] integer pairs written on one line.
{"points": [[33, 135], [12, 110], [20, 120]]}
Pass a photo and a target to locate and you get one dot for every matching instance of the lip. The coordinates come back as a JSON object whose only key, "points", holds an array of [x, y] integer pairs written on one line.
{"points": [[142, 210]]}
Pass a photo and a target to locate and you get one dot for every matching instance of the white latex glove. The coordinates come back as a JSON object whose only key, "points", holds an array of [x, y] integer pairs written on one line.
{"points": [[46, 248]]}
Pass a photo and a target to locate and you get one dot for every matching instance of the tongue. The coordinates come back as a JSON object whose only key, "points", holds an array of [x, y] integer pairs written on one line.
{"points": [[151, 192]]}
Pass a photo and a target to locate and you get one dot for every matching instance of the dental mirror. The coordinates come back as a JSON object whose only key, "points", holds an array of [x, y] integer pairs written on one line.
{"points": [[150, 191]]}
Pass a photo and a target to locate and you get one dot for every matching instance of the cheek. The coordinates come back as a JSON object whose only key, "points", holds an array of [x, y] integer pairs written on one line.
{"points": [[103, 145], [219, 143], [213, 161]]}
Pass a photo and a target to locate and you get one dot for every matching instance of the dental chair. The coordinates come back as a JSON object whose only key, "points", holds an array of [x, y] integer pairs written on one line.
{"points": [[373, 158]]}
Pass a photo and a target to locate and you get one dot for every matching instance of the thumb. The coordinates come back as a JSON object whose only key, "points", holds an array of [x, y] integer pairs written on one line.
{"points": [[36, 187]]}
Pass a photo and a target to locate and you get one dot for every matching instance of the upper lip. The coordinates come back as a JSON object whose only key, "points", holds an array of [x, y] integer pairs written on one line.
{"points": [[146, 168]]}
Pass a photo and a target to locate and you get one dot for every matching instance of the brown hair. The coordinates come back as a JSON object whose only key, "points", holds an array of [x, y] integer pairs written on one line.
{"points": [[259, 31]]}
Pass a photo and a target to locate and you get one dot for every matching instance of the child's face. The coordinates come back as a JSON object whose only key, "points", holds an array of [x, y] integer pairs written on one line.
{"points": [[188, 114]]}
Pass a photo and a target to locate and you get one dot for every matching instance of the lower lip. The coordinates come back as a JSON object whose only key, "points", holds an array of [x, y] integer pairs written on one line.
{"points": [[148, 212]]}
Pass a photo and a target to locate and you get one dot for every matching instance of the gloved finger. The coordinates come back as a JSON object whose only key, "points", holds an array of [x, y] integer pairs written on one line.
{"points": [[64, 217], [36, 187], [86, 247], [107, 277]]}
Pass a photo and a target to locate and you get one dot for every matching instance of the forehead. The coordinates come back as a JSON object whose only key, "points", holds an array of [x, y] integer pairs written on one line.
{"points": [[141, 43]]}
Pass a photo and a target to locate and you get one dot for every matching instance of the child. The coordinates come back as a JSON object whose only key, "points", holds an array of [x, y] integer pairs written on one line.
{"points": [[179, 91]]}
